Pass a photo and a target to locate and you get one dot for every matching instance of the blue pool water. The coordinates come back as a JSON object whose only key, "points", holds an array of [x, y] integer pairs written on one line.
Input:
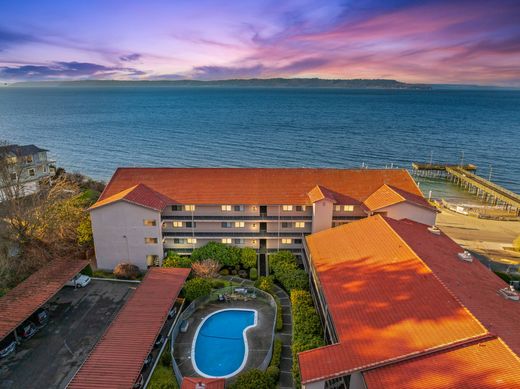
{"points": [[220, 349]]}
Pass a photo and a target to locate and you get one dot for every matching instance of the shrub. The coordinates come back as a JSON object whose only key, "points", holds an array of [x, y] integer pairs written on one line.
{"points": [[286, 271], [166, 357], [197, 287], [307, 332], [223, 254], [279, 317], [162, 378], [126, 271], [248, 257], [88, 271], [217, 284], [265, 284], [253, 273], [207, 268], [242, 273], [224, 272], [253, 379], [273, 372], [175, 260], [277, 353]]}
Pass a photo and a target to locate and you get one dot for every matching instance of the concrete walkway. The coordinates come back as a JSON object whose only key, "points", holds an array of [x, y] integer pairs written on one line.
{"points": [[286, 379]]}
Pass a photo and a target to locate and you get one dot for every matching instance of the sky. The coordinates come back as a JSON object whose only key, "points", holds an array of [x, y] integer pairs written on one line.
{"points": [[465, 42]]}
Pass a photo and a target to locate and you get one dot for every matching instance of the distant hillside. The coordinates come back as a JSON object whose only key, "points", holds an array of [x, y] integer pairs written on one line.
{"points": [[254, 82]]}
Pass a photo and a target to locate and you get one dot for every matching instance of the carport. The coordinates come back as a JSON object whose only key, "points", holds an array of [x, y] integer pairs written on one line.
{"points": [[22, 301], [117, 359]]}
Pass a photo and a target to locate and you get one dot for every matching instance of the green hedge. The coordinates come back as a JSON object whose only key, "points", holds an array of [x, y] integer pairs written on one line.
{"points": [[265, 284], [253, 379], [175, 260], [279, 312], [307, 331], [197, 287], [253, 273], [285, 269], [248, 257]]}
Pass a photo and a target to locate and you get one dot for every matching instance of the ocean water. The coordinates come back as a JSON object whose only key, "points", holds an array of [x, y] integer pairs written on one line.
{"points": [[96, 129]]}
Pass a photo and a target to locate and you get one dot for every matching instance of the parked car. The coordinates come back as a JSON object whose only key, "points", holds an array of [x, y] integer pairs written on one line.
{"points": [[139, 382], [79, 281], [26, 330], [7, 345], [172, 313], [148, 360], [40, 317], [159, 341]]}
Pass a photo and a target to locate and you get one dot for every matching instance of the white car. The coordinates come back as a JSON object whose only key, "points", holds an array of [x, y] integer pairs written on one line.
{"points": [[79, 281]]}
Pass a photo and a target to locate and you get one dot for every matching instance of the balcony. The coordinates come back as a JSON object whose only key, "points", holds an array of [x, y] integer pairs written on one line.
{"points": [[262, 217], [231, 234]]}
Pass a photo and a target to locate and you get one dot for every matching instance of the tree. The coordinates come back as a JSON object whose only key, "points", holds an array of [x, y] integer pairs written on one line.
{"points": [[224, 254], [175, 260], [197, 287], [208, 268], [248, 257]]}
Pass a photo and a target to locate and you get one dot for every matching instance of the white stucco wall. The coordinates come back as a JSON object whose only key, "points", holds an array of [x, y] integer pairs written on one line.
{"points": [[119, 234], [410, 211], [322, 215]]}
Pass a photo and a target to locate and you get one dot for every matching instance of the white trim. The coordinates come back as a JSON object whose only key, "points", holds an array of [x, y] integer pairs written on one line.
{"points": [[246, 345]]}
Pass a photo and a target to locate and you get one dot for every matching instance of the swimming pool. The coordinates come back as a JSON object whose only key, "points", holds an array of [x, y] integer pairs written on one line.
{"points": [[220, 344]]}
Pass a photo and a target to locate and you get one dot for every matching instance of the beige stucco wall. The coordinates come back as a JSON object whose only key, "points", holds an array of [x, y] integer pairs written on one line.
{"points": [[119, 233], [322, 215], [412, 212]]}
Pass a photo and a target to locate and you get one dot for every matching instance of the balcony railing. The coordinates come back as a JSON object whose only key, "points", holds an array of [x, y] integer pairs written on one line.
{"points": [[238, 217], [227, 234]]}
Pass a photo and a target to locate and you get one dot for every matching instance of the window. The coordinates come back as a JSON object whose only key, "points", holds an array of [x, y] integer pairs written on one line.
{"points": [[227, 225], [287, 208], [239, 208], [177, 224], [226, 240], [179, 241], [300, 208], [190, 208], [337, 208], [239, 224], [150, 240], [297, 241], [286, 241], [238, 241], [176, 208], [13, 176], [226, 208], [149, 222], [31, 172], [253, 241], [191, 224], [286, 225], [299, 224], [152, 260], [348, 208], [29, 159], [192, 240]]}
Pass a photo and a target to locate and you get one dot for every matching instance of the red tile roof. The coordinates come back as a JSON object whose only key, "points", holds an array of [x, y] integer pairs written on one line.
{"points": [[487, 364], [209, 383], [472, 283], [385, 303], [138, 194], [117, 359], [388, 195], [255, 185], [22, 301]]}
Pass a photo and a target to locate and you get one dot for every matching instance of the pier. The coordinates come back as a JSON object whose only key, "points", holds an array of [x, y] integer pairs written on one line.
{"points": [[465, 177]]}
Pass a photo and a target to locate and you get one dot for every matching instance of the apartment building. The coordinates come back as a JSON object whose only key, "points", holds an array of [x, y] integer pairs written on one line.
{"points": [[23, 168], [144, 212]]}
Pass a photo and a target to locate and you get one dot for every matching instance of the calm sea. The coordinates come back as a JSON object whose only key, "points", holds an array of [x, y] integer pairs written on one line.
{"points": [[96, 129]]}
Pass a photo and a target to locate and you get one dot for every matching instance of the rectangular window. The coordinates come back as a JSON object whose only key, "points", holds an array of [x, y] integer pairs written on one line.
{"points": [[226, 208], [297, 241], [189, 208], [239, 208], [149, 222], [150, 240], [348, 208], [176, 208], [286, 225], [191, 224], [227, 225], [239, 224], [177, 224], [29, 159], [286, 241], [299, 224], [31, 173], [238, 241], [192, 240], [287, 208], [179, 241], [226, 240], [337, 208], [301, 208]]}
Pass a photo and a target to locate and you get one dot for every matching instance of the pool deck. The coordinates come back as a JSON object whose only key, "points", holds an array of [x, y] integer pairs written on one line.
{"points": [[259, 337]]}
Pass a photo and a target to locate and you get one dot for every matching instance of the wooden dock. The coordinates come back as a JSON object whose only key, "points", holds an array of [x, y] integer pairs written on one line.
{"points": [[440, 167]]}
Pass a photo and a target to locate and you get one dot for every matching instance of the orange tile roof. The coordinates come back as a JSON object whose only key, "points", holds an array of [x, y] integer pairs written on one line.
{"points": [[255, 185], [209, 383], [138, 194], [23, 300], [487, 364], [117, 359], [472, 283], [388, 195], [385, 303]]}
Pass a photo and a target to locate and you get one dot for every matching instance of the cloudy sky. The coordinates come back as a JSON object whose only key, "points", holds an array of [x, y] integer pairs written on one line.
{"points": [[439, 41]]}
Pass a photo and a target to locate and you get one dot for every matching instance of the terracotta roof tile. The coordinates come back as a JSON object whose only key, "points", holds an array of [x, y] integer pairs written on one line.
{"points": [[384, 301], [255, 185], [388, 195], [485, 365], [209, 383], [138, 194]]}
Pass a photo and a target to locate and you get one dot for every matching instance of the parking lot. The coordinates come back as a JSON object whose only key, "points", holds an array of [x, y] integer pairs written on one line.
{"points": [[78, 318]]}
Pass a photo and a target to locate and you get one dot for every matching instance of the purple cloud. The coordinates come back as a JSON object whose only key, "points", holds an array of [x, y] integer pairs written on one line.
{"points": [[130, 57]]}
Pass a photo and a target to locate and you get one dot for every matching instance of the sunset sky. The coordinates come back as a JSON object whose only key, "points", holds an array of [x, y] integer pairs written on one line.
{"points": [[471, 42]]}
